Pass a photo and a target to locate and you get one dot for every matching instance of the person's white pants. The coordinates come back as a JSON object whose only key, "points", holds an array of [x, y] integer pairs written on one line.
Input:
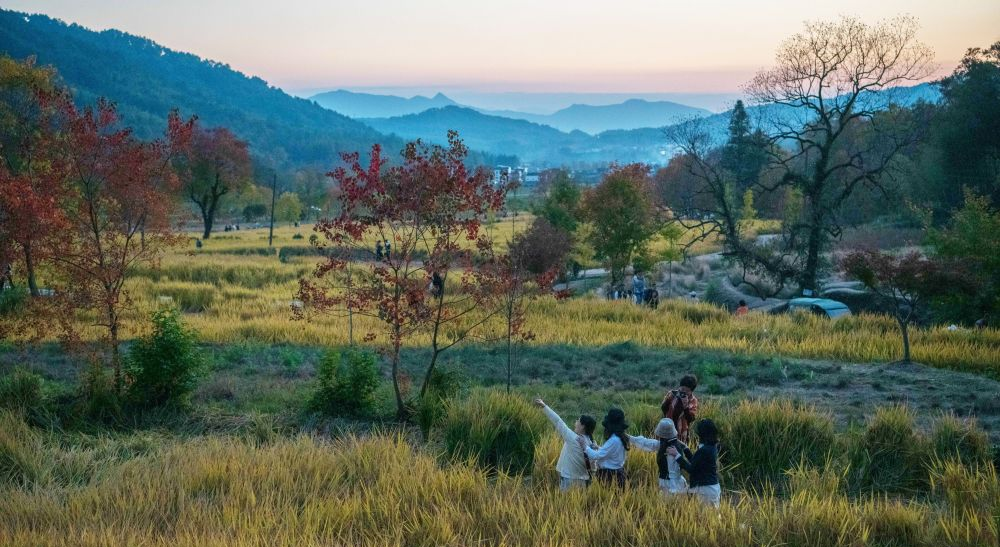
{"points": [[709, 495], [566, 484]]}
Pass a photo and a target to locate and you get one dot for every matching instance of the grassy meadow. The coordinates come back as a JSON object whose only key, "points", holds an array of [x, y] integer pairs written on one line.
{"points": [[235, 289], [823, 444]]}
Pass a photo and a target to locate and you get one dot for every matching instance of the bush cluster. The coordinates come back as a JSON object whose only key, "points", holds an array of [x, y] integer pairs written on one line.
{"points": [[347, 381], [163, 368]]}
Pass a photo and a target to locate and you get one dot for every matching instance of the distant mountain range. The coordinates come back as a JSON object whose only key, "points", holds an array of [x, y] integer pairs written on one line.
{"points": [[367, 105], [542, 144], [535, 143], [147, 80], [592, 119]]}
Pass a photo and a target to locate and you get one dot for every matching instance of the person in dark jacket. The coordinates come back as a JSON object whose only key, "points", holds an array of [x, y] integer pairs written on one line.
{"points": [[703, 465]]}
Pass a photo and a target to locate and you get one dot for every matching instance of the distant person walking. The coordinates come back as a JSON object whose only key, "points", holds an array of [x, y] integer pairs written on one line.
{"points": [[703, 465], [638, 287], [610, 457], [7, 281], [742, 309], [388, 250], [378, 251], [681, 405], [574, 464]]}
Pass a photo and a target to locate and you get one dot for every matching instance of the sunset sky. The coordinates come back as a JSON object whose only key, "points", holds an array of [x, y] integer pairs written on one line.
{"points": [[511, 45]]}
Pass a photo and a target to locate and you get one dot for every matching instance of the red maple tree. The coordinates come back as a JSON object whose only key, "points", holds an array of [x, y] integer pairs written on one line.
{"points": [[114, 196], [435, 276], [905, 283], [214, 164]]}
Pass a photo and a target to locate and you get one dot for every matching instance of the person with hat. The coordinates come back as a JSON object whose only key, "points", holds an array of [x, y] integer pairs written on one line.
{"points": [[703, 465], [610, 457], [574, 464], [671, 480]]}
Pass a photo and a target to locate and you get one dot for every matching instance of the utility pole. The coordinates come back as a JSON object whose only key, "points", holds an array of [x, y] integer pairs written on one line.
{"points": [[274, 193]]}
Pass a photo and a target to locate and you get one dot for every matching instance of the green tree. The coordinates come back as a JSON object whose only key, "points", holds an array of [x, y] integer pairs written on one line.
{"points": [[965, 131], [971, 239], [288, 208], [562, 204], [623, 217], [672, 232]]}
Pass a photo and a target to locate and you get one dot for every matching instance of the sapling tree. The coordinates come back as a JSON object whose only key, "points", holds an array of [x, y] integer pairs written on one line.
{"points": [[439, 280], [904, 284]]}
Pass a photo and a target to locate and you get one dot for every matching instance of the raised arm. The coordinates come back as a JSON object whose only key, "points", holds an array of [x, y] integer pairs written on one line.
{"points": [[562, 429], [644, 443]]}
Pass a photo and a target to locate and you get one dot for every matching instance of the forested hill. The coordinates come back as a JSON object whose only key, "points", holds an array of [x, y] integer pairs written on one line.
{"points": [[147, 80]]}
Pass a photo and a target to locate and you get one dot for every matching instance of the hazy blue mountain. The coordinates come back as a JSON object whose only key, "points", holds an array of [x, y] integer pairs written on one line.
{"points": [[499, 135], [147, 80], [537, 144], [368, 105], [631, 114]]}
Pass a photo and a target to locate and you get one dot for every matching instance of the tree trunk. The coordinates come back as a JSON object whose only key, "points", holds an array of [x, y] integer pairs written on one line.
{"points": [[904, 328], [29, 266], [116, 358], [400, 405], [510, 346], [208, 216], [814, 245]]}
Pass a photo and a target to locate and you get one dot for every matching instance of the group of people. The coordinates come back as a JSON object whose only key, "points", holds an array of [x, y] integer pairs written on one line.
{"points": [[582, 459]]}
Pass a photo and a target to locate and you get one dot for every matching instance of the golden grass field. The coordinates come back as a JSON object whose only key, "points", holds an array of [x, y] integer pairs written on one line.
{"points": [[382, 489], [230, 297]]}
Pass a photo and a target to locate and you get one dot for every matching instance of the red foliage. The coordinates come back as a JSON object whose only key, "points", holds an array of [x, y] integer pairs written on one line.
{"points": [[905, 282], [427, 209], [113, 193]]}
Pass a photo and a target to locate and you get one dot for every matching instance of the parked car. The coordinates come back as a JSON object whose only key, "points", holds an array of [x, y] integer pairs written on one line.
{"points": [[820, 306]]}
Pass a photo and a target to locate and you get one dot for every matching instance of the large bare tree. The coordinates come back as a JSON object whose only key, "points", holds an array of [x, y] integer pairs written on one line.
{"points": [[826, 110]]}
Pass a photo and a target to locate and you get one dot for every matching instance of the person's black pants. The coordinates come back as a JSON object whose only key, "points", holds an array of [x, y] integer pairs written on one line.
{"points": [[609, 477]]}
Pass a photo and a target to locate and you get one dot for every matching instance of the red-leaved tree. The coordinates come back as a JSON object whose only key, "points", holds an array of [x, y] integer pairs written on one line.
{"points": [[437, 277], [114, 195], [904, 283], [214, 164]]}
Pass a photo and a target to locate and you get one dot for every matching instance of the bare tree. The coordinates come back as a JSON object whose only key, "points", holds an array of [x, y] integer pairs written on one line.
{"points": [[823, 108]]}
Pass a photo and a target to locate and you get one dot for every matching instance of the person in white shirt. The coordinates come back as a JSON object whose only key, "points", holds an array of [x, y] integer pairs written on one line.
{"points": [[610, 457], [671, 480], [573, 465]]}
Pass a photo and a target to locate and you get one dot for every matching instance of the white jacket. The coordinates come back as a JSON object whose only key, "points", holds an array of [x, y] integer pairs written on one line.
{"points": [[676, 484], [571, 462]]}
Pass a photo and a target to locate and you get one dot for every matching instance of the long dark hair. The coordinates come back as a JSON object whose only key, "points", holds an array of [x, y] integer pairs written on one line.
{"points": [[615, 424], [707, 432]]}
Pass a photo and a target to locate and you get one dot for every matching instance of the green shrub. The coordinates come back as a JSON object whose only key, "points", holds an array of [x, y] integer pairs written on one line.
{"points": [[952, 436], [99, 400], [495, 430], [11, 300], [444, 384], [164, 367], [21, 391], [887, 456], [762, 440], [346, 383]]}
